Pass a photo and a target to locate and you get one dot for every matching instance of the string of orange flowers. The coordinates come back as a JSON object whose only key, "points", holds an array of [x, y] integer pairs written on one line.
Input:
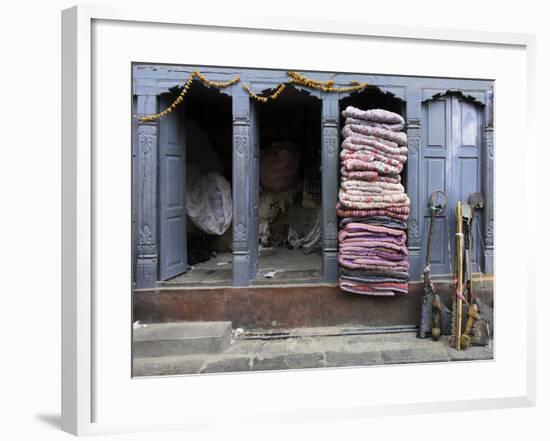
{"points": [[185, 89], [295, 78], [264, 99], [325, 86]]}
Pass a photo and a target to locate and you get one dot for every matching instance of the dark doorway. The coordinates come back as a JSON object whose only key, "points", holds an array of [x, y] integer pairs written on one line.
{"points": [[205, 123], [290, 219]]}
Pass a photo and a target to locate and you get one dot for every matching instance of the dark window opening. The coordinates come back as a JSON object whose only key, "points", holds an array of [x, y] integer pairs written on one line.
{"points": [[290, 218]]}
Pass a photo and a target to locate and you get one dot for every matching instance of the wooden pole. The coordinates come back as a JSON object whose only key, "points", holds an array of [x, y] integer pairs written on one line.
{"points": [[459, 273]]}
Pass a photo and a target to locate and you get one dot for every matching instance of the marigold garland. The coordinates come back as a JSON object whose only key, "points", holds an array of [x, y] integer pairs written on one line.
{"points": [[185, 89], [218, 84], [264, 99], [295, 78], [325, 86]]}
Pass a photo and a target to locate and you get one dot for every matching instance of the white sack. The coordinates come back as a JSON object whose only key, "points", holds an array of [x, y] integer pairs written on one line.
{"points": [[209, 203]]}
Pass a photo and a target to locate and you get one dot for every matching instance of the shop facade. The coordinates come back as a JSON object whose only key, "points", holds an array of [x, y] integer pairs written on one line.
{"points": [[449, 125]]}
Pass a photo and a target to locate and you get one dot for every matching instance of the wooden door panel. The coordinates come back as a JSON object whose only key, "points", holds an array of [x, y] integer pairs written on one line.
{"points": [[172, 187], [467, 162], [435, 175], [452, 162]]}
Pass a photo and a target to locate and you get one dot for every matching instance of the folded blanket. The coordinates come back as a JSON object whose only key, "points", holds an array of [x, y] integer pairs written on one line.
{"points": [[345, 213], [372, 264], [361, 193], [348, 204], [385, 221], [380, 167], [377, 186], [368, 149], [383, 255], [368, 206], [367, 175], [372, 243], [377, 115], [368, 280], [356, 141], [353, 254], [375, 289], [375, 268], [398, 275], [354, 229], [375, 141], [385, 200], [400, 209], [393, 127], [371, 156], [356, 288], [400, 138]]}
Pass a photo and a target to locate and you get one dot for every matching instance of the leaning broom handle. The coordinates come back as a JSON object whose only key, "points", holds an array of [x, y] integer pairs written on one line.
{"points": [[459, 273]]}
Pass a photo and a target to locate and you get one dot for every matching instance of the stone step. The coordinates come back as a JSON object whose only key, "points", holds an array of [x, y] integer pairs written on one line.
{"points": [[308, 351], [181, 338]]}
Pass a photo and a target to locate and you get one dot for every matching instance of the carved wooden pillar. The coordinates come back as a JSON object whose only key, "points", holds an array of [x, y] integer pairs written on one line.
{"points": [[145, 221], [330, 163], [488, 219], [414, 126], [241, 189]]}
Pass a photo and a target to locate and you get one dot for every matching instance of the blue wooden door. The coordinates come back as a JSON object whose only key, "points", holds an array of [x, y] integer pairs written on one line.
{"points": [[172, 186], [255, 190], [435, 174], [450, 161], [466, 163]]}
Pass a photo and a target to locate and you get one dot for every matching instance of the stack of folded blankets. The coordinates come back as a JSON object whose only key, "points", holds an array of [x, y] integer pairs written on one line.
{"points": [[373, 205]]}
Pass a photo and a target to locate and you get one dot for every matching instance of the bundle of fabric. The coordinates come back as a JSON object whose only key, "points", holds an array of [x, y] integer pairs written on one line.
{"points": [[279, 166], [372, 203]]}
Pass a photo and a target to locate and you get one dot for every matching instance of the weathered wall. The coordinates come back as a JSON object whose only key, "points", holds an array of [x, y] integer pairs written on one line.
{"points": [[289, 306]]}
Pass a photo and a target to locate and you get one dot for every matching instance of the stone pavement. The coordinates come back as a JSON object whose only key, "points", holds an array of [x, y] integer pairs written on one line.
{"points": [[311, 350]]}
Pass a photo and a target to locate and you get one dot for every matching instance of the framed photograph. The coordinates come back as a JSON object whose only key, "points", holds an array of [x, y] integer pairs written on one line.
{"points": [[304, 223]]}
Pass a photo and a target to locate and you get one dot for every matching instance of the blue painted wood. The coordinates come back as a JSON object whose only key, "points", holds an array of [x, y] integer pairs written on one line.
{"points": [[146, 149], [134, 191], [452, 162], [488, 175], [241, 189], [435, 174], [466, 162], [329, 184], [172, 188], [156, 79], [414, 135], [254, 188]]}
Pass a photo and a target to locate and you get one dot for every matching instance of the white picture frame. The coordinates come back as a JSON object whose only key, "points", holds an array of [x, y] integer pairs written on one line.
{"points": [[94, 366]]}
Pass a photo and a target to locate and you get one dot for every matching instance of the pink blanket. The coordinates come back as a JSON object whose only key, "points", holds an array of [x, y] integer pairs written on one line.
{"points": [[368, 176], [377, 115], [380, 167], [376, 186], [370, 156], [399, 138], [393, 127], [355, 141]]}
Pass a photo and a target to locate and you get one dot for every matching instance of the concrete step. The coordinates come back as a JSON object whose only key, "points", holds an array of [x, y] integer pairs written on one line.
{"points": [[313, 349], [181, 338]]}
